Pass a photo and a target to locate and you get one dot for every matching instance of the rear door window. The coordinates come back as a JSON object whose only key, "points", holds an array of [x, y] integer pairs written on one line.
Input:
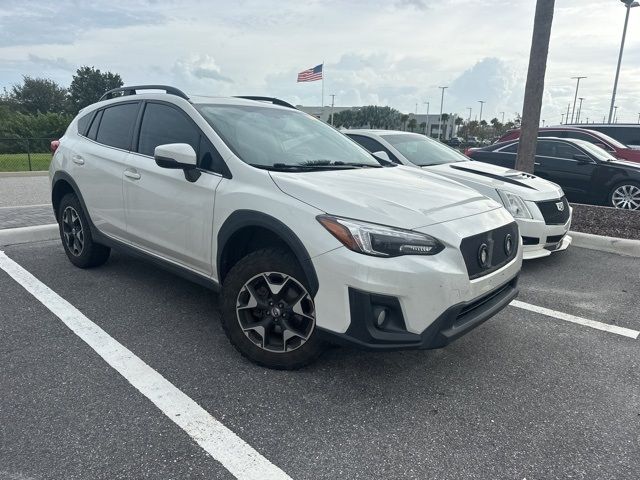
{"points": [[93, 130], [83, 123], [116, 125], [162, 124], [372, 146]]}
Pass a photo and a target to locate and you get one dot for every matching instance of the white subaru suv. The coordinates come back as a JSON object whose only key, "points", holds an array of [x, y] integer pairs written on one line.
{"points": [[538, 205], [307, 237]]}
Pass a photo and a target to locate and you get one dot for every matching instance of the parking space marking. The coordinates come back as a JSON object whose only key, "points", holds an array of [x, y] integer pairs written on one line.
{"points": [[16, 207], [237, 456], [625, 332]]}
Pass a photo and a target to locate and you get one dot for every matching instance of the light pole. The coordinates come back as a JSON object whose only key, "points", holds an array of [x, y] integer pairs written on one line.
{"points": [[481, 102], [615, 114], [561, 118], [543, 123], [567, 117], [502, 113], [333, 97], [629, 4], [427, 133], [639, 119], [575, 98], [468, 122], [441, 105], [579, 109]]}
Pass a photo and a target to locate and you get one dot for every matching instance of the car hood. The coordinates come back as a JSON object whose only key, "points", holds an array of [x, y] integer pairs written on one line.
{"points": [[402, 197], [526, 185]]}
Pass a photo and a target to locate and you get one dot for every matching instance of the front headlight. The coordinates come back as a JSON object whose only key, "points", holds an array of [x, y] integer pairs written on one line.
{"points": [[379, 240], [516, 206]]}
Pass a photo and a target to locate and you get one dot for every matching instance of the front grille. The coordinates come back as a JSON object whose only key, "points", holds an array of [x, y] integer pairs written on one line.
{"points": [[555, 212], [554, 238], [495, 245]]}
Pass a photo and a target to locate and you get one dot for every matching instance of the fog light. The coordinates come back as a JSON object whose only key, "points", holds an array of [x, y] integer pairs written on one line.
{"points": [[380, 315]]}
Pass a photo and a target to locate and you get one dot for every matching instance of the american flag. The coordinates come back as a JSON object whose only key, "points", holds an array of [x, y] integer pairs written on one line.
{"points": [[311, 74]]}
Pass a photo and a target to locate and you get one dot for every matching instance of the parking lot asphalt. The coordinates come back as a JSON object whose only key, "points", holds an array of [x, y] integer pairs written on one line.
{"points": [[523, 396], [24, 190], [26, 216]]}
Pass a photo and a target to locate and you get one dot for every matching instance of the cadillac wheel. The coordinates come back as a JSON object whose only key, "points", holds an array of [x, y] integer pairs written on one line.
{"points": [[269, 313], [627, 196]]}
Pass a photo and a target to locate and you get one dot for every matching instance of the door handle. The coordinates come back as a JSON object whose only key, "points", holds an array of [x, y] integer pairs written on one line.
{"points": [[536, 163], [77, 159], [132, 175]]}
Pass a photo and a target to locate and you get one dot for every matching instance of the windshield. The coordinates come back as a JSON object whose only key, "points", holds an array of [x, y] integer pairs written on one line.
{"points": [[596, 151], [423, 151], [612, 141], [276, 138]]}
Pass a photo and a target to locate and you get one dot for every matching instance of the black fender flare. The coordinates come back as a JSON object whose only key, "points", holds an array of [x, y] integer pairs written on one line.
{"points": [[251, 218], [64, 176]]}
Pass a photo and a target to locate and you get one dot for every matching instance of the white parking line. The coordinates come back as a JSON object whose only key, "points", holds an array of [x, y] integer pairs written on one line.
{"points": [[625, 332], [26, 206], [237, 456]]}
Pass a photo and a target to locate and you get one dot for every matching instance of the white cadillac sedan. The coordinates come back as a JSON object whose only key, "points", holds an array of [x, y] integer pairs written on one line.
{"points": [[539, 206]]}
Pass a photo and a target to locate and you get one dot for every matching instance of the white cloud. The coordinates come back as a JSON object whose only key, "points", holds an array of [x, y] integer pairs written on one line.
{"points": [[388, 53]]}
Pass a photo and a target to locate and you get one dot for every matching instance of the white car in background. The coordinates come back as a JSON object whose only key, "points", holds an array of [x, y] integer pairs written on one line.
{"points": [[539, 206]]}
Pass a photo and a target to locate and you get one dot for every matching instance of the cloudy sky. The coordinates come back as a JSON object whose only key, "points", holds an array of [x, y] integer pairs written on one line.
{"points": [[383, 52]]}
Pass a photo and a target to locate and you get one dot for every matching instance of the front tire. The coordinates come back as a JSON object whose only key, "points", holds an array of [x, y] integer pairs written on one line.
{"points": [[625, 195], [268, 313], [76, 236]]}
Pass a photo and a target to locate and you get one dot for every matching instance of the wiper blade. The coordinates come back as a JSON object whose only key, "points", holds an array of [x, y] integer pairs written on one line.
{"points": [[285, 167]]}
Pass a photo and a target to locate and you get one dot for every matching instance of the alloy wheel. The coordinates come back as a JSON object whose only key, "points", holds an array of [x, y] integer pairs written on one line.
{"points": [[275, 312], [627, 197], [72, 231]]}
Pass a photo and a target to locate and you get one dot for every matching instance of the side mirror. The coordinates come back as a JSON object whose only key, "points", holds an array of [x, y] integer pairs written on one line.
{"points": [[582, 159], [178, 156], [382, 155], [175, 155]]}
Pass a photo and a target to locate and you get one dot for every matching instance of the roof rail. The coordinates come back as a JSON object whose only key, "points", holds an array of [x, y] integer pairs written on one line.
{"points": [[132, 91], [275, 101]]}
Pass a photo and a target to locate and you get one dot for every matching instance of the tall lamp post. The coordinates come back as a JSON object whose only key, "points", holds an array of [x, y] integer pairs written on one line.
{"points": [[427, 133], [629, 4], [481, 102], [615, 114], [575, 98], [441, 105], [502, 113], [579, 109], [561, 118]]}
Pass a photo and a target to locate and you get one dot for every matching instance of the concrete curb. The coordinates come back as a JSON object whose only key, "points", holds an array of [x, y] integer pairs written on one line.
{"points": [[38, 173], [37, 233], [621, 246]]}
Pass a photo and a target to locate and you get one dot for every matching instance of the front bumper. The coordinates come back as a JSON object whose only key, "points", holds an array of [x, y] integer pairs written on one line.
{"points": [[455, 322], [541, 240], [430, 291]]}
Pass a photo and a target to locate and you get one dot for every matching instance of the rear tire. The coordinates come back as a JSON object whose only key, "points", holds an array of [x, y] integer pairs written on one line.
{"points": [[625, 195], [76, 236], [268, 313]]}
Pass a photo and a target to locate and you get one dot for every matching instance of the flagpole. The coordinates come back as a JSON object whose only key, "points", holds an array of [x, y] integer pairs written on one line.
{"points": [[322, 104]]}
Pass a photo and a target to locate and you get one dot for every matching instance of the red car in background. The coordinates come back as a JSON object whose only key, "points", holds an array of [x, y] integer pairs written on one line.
{"points": [[611, 145]]}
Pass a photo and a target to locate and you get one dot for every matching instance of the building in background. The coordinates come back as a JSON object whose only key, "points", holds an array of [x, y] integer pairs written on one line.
{"points": [[423, 122]]}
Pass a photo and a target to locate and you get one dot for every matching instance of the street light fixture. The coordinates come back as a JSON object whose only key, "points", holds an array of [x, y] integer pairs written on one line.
{"points": [[575, 98], [441, 105], [629, 4], [481, 102]]}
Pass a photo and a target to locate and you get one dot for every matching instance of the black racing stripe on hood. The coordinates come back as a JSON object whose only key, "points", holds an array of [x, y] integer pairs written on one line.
{"points": [[495, 177]]}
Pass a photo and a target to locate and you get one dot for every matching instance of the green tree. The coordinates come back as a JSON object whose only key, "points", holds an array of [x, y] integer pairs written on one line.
{"points": [[423, 127], [413, 123], [403, 120], [370, 116], [88, 85], [37, 95]]}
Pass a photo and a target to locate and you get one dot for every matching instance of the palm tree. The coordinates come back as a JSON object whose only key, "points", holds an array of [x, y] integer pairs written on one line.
{"points": [[413, 123], [534, 87], [403, 121], [423, 127]]}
